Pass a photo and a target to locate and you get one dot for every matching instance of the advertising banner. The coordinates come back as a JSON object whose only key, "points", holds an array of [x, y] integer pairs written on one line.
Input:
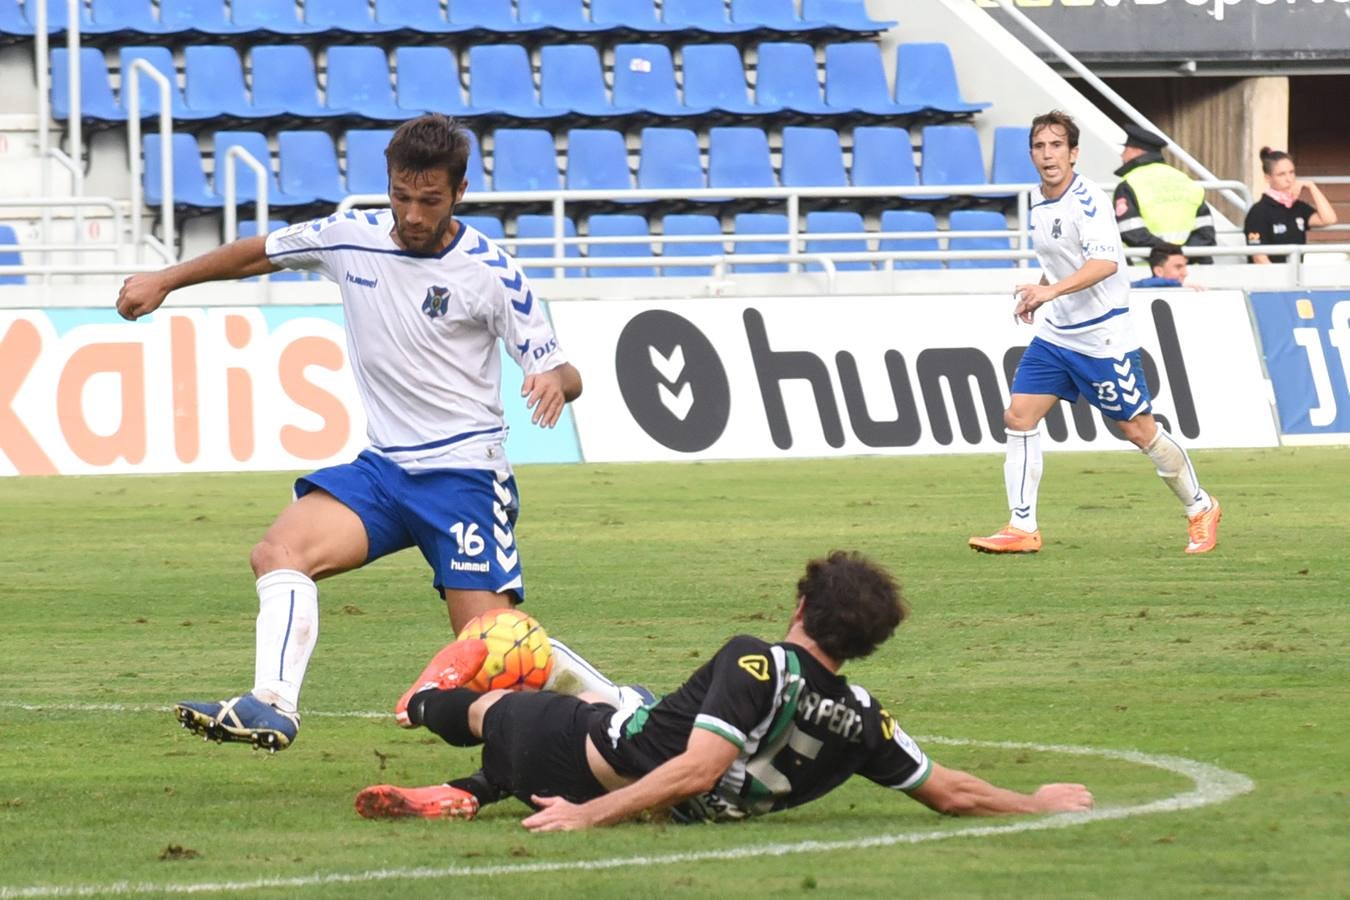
{"points": [[765, 378], [1306, 341], [198, 390]]}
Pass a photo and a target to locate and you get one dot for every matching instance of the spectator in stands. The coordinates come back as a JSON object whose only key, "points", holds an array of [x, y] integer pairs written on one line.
{"points": [[1168, 264], [1155, 203], [1280, 217]]}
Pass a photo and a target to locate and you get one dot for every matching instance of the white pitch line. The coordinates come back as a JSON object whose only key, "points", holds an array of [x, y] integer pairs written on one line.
{"points": [[1211, 785]]}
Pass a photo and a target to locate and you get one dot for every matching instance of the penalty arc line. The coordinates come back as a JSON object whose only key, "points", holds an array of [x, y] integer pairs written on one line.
{"points": [[1211, 785]]}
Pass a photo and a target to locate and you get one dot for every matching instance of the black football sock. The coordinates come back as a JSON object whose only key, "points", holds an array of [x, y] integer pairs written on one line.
{"points": [[447, 714], [477, 784]]}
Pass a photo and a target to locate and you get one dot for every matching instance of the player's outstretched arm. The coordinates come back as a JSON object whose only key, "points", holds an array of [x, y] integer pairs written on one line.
{"points": [[956, 793], [143, 293], [547, 392], [693, 772]]}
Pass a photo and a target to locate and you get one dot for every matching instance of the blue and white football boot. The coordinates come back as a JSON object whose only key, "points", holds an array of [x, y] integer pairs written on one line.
{"points": [[244, 719]]}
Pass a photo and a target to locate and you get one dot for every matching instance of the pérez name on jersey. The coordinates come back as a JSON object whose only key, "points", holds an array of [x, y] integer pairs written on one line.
{"points": [[837, 717]]}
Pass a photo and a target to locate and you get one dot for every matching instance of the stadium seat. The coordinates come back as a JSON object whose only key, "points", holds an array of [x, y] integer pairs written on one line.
{"points": [[566, 17], [812, 157], [269, 19], [541, 226], [367, 172], [10, 257], [215, 84], [855, 80], [848, 15], [21, 18], [644, 79], [428, 81], [501, 82], [359, 85], [161, 58], [910, 220], [669, 159], [416, 17], [978, 220], [925, 76], [759, 223], [205, 18], [786, 78], [284, 78], [714, 77], [128, 19], [308, 164], [738, 157], [832, 222], [246, 183], [572, 78], [951, 155], [1012, 156], [524, 159], [597, 160], [491, 17], [690, 224], [776, 18], [344, 19], [706, 16], [489, 226], [248, 227], [473, 171], [619, 225], [96, 97], [883, 157], [189, 178], [630, 19]]}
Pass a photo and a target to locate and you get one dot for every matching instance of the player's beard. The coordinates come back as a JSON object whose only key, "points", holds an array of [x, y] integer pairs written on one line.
{"points": [[431, 244]]}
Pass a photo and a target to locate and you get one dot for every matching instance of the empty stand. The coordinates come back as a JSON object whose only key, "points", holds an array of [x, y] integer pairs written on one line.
{"points": [[644, 79], [344, 19], [619, 225], [245, 182], [669, 159], [97, 103], [161, 58], [951, 155], [572, 78], [706, 17], [688, 225], [785, 77], [367, 172], [358, 82], [416, 18], [714, 78], [925, 76], [284, 79], [738, 157], [978, 220], [215, 85], [9, 253], [1012, 156], [531, 225], [855, 79], [831, 222], [308, 164], [883, 157], [428, 81], [812, 157], [844, 15], [524, 159], [189, 179], [501, 82], [597, 160], [760, 224], [910, 220]]}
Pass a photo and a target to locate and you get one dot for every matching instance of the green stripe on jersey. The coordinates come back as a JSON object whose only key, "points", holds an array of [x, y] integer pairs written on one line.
{"points": [[927, 770], [717, 728]]}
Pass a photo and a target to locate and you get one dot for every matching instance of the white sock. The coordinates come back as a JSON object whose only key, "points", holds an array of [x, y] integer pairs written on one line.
{"points": [[287, 630], [1022, 476], [1175, 469], [573, 675]]}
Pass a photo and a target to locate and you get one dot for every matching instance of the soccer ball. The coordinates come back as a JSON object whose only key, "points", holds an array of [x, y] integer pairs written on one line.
{"points": [[519, 655]]}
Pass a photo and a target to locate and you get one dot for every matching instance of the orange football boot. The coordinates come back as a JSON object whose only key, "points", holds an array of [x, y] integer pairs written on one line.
{"points": [[456, 663], [1008, 540], [440, 801], [1203, 528]]}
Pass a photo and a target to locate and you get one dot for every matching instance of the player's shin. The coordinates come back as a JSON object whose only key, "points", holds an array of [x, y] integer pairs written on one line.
{"points": [[1174, 468], [1022, 477], [287, 630], [572, 674]]}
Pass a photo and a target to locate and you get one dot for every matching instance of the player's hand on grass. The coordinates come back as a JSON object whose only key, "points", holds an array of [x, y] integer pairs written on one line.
{"points": [[141, 295], [543, 393], [556, 814], [1030, 297], [1060, 798]]}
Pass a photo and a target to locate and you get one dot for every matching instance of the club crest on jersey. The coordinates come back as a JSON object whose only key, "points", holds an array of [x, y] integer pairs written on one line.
{"points": [[437, 301], [1055, 229]]}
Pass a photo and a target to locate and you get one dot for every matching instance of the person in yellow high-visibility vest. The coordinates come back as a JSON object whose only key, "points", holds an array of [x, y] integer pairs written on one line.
{"points": [[1155, 204]]}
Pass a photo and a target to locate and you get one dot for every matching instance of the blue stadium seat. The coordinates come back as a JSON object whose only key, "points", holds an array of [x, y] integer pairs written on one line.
{"points": [[308, 164], [690, 224], [269, 18], [207, 18], [367, 172], [630, 19], [359, 85], [619, 225], [14, 25], [189, 178], [777, 17], [161, 58], [644, 79], [597, 160], [215, 84], [416, 17], [572, 78], [669, 158], [1012, 156], [428, 81], [248, 227], [22, 18], [760, 223], [925, 76], [707, 16], [96, 96], [489, 226], [738, 157], [812, 157], [284, 78], [246, 183], [344, 19], [491, 17], [524, 159], [855, 79], [883, 157], [714, 77], [501, 81], [786, 78], [820, 223], [128, 19], [10, 257], [978, 220], [848, 15], [951, 155], [473, 170], [910, 220], [531, 225], [567, 17]]}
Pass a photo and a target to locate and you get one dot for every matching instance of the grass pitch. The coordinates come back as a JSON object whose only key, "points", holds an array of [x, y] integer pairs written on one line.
{"points": [[123, 595]]}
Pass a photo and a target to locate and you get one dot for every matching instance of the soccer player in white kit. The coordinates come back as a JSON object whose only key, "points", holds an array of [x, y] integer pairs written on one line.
{"points": [[425, 300], [1084, 345]]}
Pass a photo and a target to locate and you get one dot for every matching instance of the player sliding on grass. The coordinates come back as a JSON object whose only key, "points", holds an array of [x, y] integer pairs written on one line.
{"points": [[1084, 345], [760, 727], [425, 299]]}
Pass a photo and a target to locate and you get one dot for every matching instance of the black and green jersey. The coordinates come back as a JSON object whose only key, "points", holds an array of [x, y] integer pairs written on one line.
{"points": [[802, 731]]}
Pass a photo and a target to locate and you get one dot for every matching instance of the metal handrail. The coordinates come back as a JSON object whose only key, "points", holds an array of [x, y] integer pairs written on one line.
{"points": [[75, 125], [139, 66], [262, 179]]}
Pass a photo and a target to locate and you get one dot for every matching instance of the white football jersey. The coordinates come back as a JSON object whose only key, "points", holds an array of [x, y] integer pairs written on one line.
{"points": [[1066, 233], [422, 334]]}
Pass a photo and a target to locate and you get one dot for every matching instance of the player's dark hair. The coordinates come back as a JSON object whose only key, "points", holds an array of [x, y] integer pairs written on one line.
{"points": [[1270, 157], [428, 143], [851, 605], [1055, 117], [1162, 253]]}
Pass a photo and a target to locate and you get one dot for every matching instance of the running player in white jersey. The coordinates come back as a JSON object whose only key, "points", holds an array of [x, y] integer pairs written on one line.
{"points": [[1084, 345], [425, 300]]}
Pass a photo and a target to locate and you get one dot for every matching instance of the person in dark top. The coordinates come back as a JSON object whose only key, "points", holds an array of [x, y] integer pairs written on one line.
{"points": [[1281, 216], [758, 728], [1156, 204]]}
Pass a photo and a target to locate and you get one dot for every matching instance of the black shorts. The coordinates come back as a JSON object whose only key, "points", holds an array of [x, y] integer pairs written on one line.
{"points": [[534, 742]]}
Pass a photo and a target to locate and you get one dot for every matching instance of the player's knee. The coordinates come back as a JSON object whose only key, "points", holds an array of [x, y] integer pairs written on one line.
{"points": [[268, 556], [1016, 421], [479, 709]]}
